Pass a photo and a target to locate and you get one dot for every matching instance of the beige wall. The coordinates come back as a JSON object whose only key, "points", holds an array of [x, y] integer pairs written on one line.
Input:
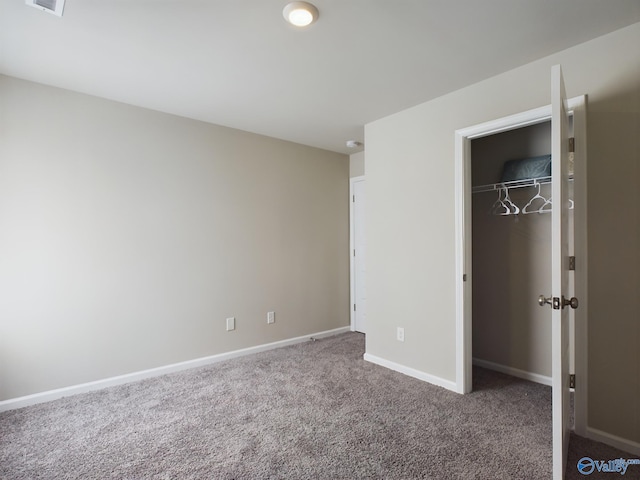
{"points": [[128, 236], [356, 164], [411, 231]]}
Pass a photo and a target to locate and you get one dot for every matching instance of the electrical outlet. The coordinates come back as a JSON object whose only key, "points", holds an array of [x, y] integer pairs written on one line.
{"points": [[271, 317], [400, 334], [231, 324]]}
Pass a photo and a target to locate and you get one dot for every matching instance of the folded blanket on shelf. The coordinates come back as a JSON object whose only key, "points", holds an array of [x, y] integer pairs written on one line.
{"points": [[534, 167]]}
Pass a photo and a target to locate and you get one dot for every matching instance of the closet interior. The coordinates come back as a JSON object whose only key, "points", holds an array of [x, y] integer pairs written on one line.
{"points": [[511, 251]]}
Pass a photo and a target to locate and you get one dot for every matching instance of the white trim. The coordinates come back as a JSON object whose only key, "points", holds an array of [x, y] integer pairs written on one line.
{"points": [[462, 156], [352, 246], [47, 396], [463, 139], [514, 372], [425, 377], [505, 124], [613, 440]]}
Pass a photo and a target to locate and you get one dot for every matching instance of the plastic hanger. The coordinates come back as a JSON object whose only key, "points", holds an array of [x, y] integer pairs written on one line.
{"points": [[499, 207], [546, 207], [527, 208], [513, 208]]}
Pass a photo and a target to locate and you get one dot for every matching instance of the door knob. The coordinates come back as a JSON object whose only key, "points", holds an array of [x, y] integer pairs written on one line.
{"points": [[542, 300], [572, 302], [555, 302]]}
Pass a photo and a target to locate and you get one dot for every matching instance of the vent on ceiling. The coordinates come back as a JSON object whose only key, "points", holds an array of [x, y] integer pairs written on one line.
{"points": [[54, 7]]}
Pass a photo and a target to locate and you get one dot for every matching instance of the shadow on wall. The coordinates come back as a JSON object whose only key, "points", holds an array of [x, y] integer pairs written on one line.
{"points": [[613, 142]]}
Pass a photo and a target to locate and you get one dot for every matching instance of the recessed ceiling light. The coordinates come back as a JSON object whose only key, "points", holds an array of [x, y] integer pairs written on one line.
{"points": [[54, 7], [300, 14]]}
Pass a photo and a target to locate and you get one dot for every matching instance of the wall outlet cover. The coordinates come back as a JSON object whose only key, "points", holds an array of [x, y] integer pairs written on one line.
{"points": [[231, 324]]}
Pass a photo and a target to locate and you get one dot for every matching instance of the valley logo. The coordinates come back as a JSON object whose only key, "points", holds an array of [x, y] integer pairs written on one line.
{"points": [[586, 465]]}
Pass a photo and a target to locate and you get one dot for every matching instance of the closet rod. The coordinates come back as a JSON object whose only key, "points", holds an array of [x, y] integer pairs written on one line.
{"points": [[529, 182]]}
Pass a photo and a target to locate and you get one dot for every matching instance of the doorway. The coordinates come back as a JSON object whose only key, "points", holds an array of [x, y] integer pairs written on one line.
{"points": [[464, 246], [511, 247]]}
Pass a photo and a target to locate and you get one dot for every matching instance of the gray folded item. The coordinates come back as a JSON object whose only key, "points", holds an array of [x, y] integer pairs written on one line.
{"points": [[534, 167]]}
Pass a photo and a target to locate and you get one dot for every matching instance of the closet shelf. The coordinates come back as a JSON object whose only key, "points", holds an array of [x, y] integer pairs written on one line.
{"points": [[528, 182]]}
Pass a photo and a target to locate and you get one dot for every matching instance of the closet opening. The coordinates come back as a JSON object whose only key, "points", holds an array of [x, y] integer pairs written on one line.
{"points": [[511, 247], [566, 134]]}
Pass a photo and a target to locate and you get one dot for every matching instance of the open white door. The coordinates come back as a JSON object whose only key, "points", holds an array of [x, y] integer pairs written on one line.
{"points": [[560, 272], [358, 256]]}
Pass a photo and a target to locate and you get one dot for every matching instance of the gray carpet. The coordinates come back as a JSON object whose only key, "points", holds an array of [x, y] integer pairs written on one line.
{"points": [[310, 411]]}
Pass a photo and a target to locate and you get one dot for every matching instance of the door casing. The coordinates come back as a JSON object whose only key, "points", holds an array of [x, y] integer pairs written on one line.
{"points": [[464, 274]]}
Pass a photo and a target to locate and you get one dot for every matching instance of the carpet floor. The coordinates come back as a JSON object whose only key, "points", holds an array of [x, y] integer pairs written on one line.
{"points": [[315, 410]]}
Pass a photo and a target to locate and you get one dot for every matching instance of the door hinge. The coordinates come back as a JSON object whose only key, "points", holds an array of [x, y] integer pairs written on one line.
{"points": [[572, 145], [572, 380], [354, 307], [464, 277], [572, 263], [354, 252], [353, 199]]}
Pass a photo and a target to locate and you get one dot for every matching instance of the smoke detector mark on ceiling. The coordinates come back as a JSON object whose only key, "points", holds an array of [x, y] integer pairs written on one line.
{"points": [[55, 7]]}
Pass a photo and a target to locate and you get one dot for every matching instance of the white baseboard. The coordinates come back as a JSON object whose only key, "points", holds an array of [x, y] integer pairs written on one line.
{"points": [[426, 377], [47, 396], [514, 372], [613, 440]]}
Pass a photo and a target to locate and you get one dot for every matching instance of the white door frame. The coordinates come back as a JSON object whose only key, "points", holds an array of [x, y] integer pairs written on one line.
{"points": [[464, 277], [352, 246]]}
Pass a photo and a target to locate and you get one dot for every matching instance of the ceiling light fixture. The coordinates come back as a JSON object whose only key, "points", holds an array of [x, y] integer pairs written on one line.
{"points": [[353, 144], [300, 14], [55, 7]]}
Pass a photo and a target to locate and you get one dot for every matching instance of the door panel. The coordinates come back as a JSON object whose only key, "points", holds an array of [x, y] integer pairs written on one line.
{"points": [[360, 255], [560, 271]]}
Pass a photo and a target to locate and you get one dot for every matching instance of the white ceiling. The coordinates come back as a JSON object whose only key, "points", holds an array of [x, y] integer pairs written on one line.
{"points": [[237, 63]]}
